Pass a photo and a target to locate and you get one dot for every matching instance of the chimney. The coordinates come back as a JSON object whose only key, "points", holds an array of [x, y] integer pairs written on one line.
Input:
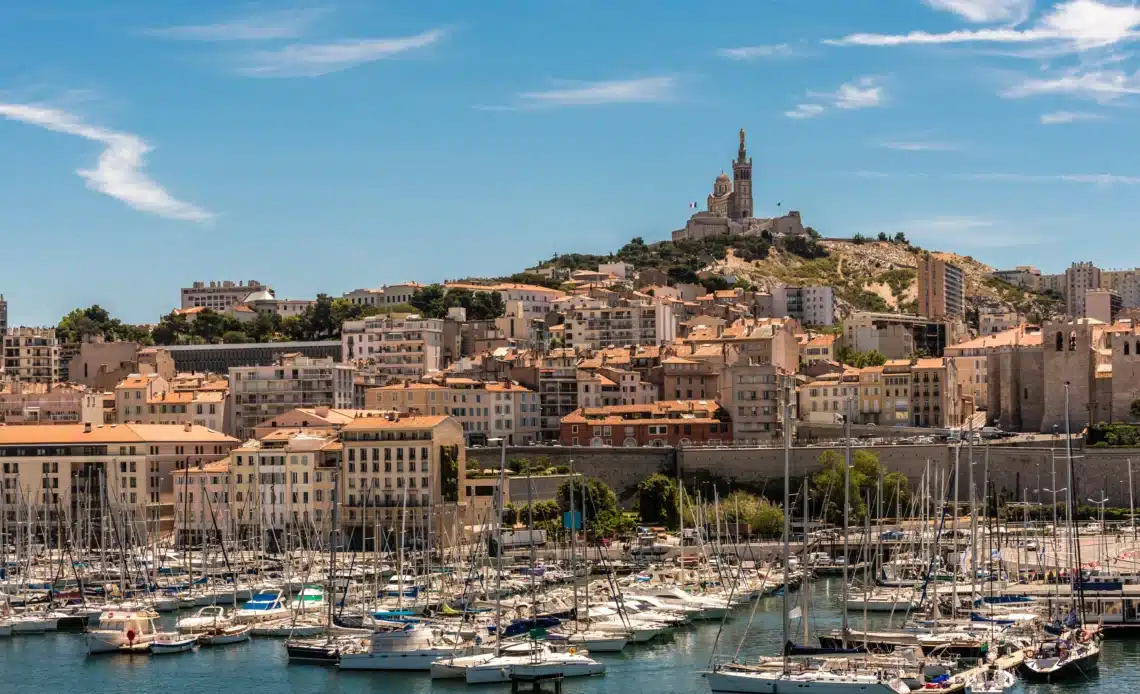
{"points": [[188, 426], [87, 427]]}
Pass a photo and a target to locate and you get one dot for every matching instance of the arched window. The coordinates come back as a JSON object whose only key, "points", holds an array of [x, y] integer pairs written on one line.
{"points": [[1073, 341], [1137, 348], [1060, 342], [1126, 349]]}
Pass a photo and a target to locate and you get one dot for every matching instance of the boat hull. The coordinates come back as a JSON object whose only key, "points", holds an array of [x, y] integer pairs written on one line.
{"points": [[169, 647], [1074, 669], [495, 671], [323, 654], [421, 660], [771, 683]]}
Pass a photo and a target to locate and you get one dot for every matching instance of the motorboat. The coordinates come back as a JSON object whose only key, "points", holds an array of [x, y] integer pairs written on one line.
{"points": [[223, 636], [403, 647], [123, 632], [883, 602], [289, 627], [455, 667], [265, 605], [1063, 659], [206, 618], [168, 643], [32, 623], [310, 599], [990, 682], [592, 641], [541, 661]]}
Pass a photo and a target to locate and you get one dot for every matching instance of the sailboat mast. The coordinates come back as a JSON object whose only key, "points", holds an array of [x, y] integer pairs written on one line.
{"points": [[787, 518], [499, 549], [846, 507]]}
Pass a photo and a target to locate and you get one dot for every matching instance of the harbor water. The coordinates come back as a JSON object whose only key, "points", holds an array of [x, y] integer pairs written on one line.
{"points": [[58, 662]]}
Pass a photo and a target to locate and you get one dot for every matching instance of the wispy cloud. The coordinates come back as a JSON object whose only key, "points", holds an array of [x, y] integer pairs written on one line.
{"points": [[866, 92], [315, 59], [1090, 179], [967, 232], [775, 50], [802, 111], [1070, 26], [1062, 117], [920, 146], [278, 25], [646, 90], [1097, 85], [986, 11], [120, 172]]}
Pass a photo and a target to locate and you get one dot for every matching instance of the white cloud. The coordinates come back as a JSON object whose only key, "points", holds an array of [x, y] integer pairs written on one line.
{"points": [[278, 25], [1093, 179], [920, 146], [643, 90], [778, 50], [967, 232], [1062, 117], [984, 11], [866, 92], [1072, 25], [315, 59], [802, 111], [120, 172], [1098, 85]]}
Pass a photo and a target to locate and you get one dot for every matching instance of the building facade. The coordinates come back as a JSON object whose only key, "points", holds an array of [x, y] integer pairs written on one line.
{"points": [[295, 381], [219, 296], [666, 423], [941, 288], [31, 355], [394, 347], [1079, 279]]}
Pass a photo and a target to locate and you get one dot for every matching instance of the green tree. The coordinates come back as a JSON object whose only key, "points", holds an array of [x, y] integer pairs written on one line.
{"points": [[209, 325], [657, 500], [1134, 408], [591, 497], [429, 301], [883, 236], [234, 337]]}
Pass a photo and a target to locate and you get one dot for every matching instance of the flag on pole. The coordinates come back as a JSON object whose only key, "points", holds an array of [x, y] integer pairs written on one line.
{"points": [[795, 613], [692, 205]]}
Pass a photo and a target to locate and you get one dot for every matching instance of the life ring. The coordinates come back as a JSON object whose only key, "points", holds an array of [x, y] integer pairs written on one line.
{"points": [[363, 642], [573, 650], [130, 635]]}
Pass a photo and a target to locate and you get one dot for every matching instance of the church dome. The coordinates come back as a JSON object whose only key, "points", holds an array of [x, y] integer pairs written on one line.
{"points": [[723, 177]]}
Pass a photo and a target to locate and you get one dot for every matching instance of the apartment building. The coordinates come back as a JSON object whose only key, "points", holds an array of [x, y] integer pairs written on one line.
{"points": [[896, 393], [941, 288], [755, 396], [819, 348], [219, 296], [260, 392], [808, 305], [1079, 279], [695, 376], [599, 386], [935, 399], [1103, 305], [1024, 276], [1126, 283], [898, 336], [133, 394], [388, 295], [278, 490], [597, 324], [824, 399], [971, 360], [37, 403], [31, 355], [402, 464], [664, 423], [3, 315], [68, 471], [484, 410], [996, 320], [394, 347]]}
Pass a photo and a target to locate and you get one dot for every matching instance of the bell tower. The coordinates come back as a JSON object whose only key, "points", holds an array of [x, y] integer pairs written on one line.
{"points": [[742, 182]]}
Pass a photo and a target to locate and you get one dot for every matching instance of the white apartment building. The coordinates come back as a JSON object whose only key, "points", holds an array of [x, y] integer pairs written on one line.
{"points": [[808, 305], [597, 325], [1126, 283], [388, 295], [31, 355], [219, 296], [1079, 278], [261, 392], [395, 347], [992, 321], [484, 409]]}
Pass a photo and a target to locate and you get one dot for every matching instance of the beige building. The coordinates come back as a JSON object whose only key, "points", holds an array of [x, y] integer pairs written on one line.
{"points": [[755, 396], [1024, 276], [133, 394], [261, 392], [899, 336], [482, 409], [31, 355], [896, 393], [597, 324], [1079, 279], [935, 399], [1102, 305], [37, 403], [394, 347], [69, 471], [941, 288], [996, 320], [971, 359], [394, 463], [819, 348], [824, 399]]}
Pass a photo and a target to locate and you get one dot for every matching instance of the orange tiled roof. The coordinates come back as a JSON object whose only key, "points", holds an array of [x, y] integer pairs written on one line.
{"points": [[404, 422]]}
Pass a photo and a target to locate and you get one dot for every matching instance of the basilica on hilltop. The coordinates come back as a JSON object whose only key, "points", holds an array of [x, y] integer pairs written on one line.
{"points": [[730, 208]]}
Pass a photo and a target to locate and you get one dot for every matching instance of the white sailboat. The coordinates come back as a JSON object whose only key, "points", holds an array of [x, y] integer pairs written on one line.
{"points": [[410, 647], [124, 632]]}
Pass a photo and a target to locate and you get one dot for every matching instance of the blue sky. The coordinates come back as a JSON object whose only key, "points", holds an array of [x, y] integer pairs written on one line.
{"points": [[328, 147]]}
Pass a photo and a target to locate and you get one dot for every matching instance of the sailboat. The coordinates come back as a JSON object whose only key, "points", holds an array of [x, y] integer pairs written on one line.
{"points": [[786, 677]]}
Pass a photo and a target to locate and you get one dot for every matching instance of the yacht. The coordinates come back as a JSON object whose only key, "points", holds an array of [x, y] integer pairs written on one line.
{"points": [[742, 679], [403, 647], [310, 599], [1059, 660], [990, 682], [130, 631], [206, 618], [882, 601], [164, 644], [265, 605], [540, 661]]}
